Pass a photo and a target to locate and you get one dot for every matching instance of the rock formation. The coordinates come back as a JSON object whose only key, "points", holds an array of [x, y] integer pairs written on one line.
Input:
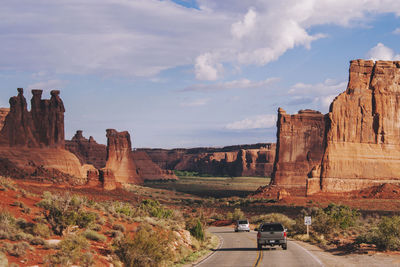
{"points": [[32, 142], [363, 130], [240, 160], [299, 147], [355, 146], [3, 114], [88, 151], [129, 166]]}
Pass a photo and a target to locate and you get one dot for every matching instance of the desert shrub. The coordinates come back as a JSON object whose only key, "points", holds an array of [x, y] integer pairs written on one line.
{"points": [[386, 236], [155, 209], [93, 235], [37, 241], [145, 249], [7, 183], [41, 229], [8, 225], [3, 260], [17, 249], [197, 230], [119, 227], [63, 211], [117, 208], [72, 250], [274, 217], [236, 215], [342, 216], [95, 227], [116, 234]]}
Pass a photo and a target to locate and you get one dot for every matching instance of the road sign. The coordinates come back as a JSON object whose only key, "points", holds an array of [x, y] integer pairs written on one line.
{"points": [[307, 220]]}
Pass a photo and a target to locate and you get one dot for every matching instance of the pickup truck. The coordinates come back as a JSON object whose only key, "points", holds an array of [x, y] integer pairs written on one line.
{"points": [[271, 234]]}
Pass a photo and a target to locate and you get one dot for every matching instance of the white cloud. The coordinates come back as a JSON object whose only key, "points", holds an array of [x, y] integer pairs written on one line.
{"points": [[328, 87], [144, 37], [382, 52], [207, 67], [396, 31], [196, 103], [235, 84], [243, 28], [254, 122]]}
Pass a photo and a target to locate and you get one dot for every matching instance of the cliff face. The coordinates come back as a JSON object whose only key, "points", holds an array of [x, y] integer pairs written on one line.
{"points": [[88, 151], [299, 147], [32, 142], [363, 131], [241, 160]]}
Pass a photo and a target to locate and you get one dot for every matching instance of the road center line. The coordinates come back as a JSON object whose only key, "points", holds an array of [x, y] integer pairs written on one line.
{"points": [[309, 253]]}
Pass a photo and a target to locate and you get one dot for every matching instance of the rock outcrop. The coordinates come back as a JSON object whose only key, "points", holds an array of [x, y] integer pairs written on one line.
{"points": [[355, 146], [88, 151], [299, 148], [32, 142], [3, 114], [129, 166], [240, 160], [363, 129]]}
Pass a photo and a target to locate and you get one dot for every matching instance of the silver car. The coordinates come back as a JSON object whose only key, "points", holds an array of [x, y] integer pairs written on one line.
{"points": [[242, 225]]}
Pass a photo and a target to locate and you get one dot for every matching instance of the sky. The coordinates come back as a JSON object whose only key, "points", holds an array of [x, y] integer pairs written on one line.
{"points": [[189, 73]]}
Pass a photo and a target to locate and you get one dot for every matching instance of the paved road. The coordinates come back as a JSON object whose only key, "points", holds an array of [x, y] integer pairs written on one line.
{"points": [[240, 249]]}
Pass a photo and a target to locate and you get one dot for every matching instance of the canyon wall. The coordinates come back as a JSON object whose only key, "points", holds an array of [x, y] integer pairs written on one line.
{"points": [[240, 160], [88, 151], [299, 148]]}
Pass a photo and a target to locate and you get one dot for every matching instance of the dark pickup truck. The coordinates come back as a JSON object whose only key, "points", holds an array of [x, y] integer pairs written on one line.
{"points": [[271, 234]]}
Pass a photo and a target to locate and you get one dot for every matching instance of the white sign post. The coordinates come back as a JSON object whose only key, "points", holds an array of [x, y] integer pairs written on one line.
{"points": [[307, 221]]}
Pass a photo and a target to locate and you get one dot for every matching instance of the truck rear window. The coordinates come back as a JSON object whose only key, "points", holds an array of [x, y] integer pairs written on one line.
{"points": [[242, 222], [272, 228]]}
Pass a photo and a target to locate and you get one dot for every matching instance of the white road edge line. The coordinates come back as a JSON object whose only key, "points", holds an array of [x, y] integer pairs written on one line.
{"points": [[213, 253], [309, 253]]}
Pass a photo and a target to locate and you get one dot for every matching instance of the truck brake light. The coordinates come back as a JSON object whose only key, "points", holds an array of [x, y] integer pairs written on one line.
{"points": [[284, 234]]}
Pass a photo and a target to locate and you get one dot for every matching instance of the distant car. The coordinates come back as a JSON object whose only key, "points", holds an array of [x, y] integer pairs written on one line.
{"points": [[242, 225], [271, 234]]}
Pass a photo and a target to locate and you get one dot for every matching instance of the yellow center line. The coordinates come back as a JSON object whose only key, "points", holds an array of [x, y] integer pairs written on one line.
{"points": [[259, 258]]}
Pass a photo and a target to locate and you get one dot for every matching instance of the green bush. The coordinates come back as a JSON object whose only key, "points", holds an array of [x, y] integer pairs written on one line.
{"points": [[342, 216], [93, 235], [72, 250], [197, 231], [17, 249], [119, 227], [41, 229], [37, 241], [155, 209], [146, 248], [63, 211], [236, 215], [274, 217], [386, 236]]}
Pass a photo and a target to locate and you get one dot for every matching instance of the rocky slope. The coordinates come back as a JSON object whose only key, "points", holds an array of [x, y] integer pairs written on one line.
{"points": [[3, 114], [240, 160]]}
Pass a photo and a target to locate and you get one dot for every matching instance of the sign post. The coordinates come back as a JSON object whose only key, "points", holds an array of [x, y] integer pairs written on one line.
{"points": [[307, 222]]}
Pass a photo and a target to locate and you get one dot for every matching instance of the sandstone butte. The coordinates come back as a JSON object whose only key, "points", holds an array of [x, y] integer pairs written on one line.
{"points": [[32, 146], [240, 160], [353, 147]]}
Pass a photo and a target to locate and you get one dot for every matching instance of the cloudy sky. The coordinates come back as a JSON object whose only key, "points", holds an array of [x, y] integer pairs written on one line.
{"points": [[186, 73]]}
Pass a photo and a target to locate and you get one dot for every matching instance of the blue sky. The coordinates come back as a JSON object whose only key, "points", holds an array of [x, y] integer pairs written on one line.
{"points": [[189, 73]]}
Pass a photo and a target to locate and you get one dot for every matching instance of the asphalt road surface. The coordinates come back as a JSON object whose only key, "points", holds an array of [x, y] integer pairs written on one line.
{"points": [[240, 249]]}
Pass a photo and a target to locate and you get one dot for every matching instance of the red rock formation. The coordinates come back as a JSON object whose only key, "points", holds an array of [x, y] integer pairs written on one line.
{"points": [[241, 160], [119, 158], [87, 150], [128, 166], [363, 136], [108, 179], [93, 178], [33, 142], [299, 147], [3, 114]]}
